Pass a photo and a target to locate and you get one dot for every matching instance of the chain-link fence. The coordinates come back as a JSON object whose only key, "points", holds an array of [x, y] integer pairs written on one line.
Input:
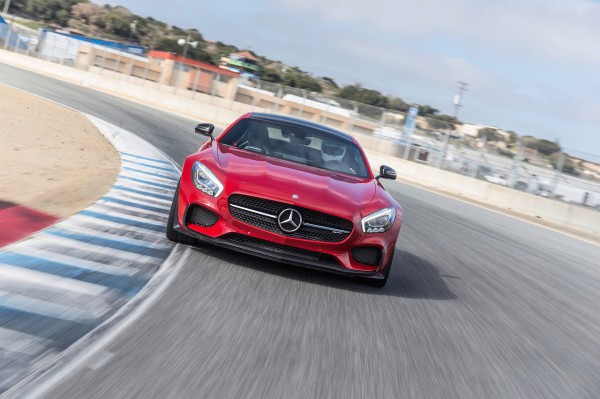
{"points": [[517, 173], [442, 148], [18, 39], [433, 143]]}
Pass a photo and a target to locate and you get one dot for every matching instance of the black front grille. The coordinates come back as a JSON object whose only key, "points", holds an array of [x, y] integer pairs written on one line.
{"points": [[367, 255], [271, 209], [201, 216], [278, 249]]}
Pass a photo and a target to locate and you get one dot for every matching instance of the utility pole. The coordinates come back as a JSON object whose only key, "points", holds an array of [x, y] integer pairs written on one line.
{"points": [[132, 28], [514, 171], [6, 5], [559, 167], [9, 31], [462, 87], [185, 42], [182, 42]]}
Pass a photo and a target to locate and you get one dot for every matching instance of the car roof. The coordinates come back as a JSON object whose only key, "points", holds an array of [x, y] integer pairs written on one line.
{"points": [[300, 122]]}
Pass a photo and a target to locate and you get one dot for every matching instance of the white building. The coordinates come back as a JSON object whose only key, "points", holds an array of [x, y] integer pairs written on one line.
{"points": [[472, 130]]}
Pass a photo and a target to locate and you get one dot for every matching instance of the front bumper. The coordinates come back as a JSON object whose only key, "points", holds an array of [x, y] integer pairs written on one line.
{"points": [[232, 233]]}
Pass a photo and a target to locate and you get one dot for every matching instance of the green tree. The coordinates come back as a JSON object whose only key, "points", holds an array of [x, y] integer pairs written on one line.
{"points": [[199, 54], [569, 165], [490, 133], [301, 81], [373, 97], [506, 153], [529, 142], [62, 17], [448, 118], [547, 147], [397, 104], [350, 92], [195, 36], [439, 122], [425, 110], [330, 81], [118, 21], [85, 12], [171, 45], [222, 50], [270, 75], [18, 5], [51, 11], [362, 95]]}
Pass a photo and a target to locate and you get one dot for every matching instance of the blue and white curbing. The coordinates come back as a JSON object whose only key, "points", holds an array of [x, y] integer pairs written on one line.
{"points": [[63, 282]]}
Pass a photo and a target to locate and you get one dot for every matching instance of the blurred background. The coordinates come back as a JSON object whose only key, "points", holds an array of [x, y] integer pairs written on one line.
{"points": [[489, 102], [114, 41]]}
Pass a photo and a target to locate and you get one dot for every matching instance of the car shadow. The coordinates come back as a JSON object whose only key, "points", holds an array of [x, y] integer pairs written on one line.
{"points": [[415, 277], [410, 277]]}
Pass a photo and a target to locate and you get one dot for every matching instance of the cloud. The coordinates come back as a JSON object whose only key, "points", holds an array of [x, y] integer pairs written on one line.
{"points": [[553, 29], [531, 64]]}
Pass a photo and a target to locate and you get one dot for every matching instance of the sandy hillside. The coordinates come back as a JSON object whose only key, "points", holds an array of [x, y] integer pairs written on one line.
{"points": [[51, 158]]}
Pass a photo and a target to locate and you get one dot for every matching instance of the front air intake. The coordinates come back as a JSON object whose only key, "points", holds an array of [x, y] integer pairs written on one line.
{"points": [[367, 255], [201, 216]]}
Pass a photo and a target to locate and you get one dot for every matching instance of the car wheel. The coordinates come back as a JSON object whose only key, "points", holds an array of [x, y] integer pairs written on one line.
{"points": [[173, 234], [379, 283]]}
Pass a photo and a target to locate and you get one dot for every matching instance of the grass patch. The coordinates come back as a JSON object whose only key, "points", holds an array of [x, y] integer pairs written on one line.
{"points": [[32, 24]]}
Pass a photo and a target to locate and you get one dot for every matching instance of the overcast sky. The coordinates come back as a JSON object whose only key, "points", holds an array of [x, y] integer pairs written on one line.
{"points": [[533, 66]]}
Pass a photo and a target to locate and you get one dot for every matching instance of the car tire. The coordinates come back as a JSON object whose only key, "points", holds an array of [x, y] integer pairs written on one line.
{"points": [[173, 234], [379, 283]]}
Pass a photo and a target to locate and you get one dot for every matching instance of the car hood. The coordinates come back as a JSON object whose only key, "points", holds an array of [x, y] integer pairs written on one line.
{"points": [[280, 180]]}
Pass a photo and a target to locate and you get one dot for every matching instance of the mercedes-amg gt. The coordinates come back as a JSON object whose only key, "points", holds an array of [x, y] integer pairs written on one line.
{"points": [[288, 190]]}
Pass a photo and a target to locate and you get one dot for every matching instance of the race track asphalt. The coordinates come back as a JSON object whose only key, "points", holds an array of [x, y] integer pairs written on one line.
{"points": [[478, 305]]}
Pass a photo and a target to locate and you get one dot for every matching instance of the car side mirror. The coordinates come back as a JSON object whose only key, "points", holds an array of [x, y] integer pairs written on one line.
{"points": [[205, 129], [387, 173]]}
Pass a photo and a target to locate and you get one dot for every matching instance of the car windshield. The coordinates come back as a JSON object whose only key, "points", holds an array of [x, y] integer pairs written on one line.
{"points": [[297, 143]]}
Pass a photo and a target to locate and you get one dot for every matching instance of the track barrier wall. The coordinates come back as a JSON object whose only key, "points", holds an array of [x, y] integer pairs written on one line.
{"points": [[450, 167]]}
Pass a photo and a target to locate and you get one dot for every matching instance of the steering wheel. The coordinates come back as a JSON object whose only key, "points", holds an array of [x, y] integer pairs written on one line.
{"points": [[261, 148]]}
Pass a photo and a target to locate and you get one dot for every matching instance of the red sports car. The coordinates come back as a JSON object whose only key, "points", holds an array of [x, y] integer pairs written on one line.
{"points": [[288, 190]]}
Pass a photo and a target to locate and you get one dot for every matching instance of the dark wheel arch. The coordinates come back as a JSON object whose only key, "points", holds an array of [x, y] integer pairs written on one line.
{"points": [[173, 234], [380, 282]]}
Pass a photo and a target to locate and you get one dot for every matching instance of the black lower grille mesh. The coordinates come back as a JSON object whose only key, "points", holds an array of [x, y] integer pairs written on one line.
{"points": [[367, 255], [201, 216], [280, 249], [274, 208], [254, 219]]}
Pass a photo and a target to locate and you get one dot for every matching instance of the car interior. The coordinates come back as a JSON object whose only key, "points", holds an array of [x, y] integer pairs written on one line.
{"points": [[299, 145]]}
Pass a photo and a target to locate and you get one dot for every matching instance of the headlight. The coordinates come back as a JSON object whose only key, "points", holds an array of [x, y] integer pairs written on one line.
{"points": [[380, 221], [205, 180]]}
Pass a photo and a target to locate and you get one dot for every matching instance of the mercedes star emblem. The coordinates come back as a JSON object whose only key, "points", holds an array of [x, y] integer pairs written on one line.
{"points": [[289, 220]]}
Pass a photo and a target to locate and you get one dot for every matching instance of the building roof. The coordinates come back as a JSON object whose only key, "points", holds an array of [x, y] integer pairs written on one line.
{"points": [[165, 55], [246, 54]]}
